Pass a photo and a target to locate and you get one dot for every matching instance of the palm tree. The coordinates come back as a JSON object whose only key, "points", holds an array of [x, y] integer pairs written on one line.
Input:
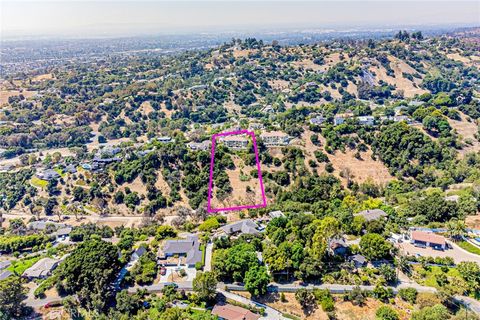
{"points": [[456, 229]]}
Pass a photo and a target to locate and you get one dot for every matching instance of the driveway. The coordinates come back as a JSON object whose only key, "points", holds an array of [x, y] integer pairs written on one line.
{"points": [[208, 257], [456, 253], [191, 274]]}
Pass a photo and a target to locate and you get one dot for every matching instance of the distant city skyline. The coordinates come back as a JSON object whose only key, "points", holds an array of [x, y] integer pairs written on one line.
{"points": [[127, 18]]}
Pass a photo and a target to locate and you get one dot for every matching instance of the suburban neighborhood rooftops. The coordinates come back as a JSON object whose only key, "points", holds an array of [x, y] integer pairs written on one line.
{"points": [[243, 226], [273, 134], [41, 268], [373, 214], [429, 237], [231, 312], [358, 258], [190, 247], [5, 264], [5, 274], [48, 174], [276, 214]]}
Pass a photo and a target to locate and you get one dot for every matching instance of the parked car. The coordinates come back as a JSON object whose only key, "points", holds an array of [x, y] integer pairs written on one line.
{"points": [[163, 271]]}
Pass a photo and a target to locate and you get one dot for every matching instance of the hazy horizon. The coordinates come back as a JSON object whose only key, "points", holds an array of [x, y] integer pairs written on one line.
{"points": [[126, 18]]}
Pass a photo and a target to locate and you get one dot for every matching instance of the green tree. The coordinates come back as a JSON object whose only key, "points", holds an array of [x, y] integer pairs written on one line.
{"points": [[12, 294], [306, 298], [89, 272], [375, 247], [127, 304], [209, 225], [470, 271], [386, 313], [408, 294], [436, 312], [205, 286], [257, 280]]}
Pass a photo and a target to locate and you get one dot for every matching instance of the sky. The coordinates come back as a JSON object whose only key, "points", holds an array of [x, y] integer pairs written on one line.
{"points": [[123, 18]]}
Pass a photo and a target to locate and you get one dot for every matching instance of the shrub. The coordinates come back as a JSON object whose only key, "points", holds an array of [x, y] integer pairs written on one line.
{"points": [[386, 313], [408, 294]]}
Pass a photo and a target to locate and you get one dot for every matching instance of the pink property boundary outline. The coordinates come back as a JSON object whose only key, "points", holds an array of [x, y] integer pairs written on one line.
{"points": [[212, 162]]}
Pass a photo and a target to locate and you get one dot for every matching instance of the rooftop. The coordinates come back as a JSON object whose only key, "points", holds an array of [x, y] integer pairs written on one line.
{"points": [[243, 226], [190, 247], [428, 237], [231, 312]]}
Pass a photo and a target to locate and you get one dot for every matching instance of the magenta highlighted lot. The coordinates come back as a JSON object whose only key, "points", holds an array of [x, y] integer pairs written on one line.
{"points": [[212, 163]]}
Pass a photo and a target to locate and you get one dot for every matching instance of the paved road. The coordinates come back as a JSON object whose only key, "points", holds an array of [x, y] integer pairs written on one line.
{"points": [[334, 288], [470, 303], [270, 313], [208, 257]]}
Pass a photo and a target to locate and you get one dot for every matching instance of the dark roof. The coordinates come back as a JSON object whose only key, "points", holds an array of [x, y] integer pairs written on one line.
{"points": [[190, 247]]}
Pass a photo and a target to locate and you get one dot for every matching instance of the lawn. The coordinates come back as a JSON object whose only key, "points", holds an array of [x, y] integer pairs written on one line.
{"points": [[430, 275], [39, 183], [19, 266], [465, 245]]}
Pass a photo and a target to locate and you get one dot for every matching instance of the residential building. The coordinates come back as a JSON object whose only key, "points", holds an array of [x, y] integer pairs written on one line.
{"points": [[428, 239], [140, 251], [204, 145], [5, 264], [187, 249], [231, 312], [276, 214], [5, 274], [268, 109], [318, 120], [337, 246], [47, 174], [366, 120], [41, 269], [62, 233], [358, 260], [241, 227], [275, 138], [236, 142], [371, 215], [165, 139], [70, 168], [341, 118]]}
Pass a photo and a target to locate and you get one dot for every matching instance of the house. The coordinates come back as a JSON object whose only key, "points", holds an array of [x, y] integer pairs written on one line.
{"points": [[188, 248], [255, 126], [108, 152], [231, 312], [70, 169], [400, 118], [236, 142], [275, 138], [241, 227], [428, 239], [140, 251], [41, 269], [318, 120], [268, 109], [48, 174], [204, 145], [358, 260], [452, 198], [366, 120], [340, 118], [276, 214], [371, 215], [165, 139], [5, 274], [5, 264], [62, 233], [337, 246]]}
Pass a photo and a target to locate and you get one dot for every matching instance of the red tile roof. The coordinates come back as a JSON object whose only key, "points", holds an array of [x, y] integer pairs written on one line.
{"points": [[428, 237], [231, 312]]}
